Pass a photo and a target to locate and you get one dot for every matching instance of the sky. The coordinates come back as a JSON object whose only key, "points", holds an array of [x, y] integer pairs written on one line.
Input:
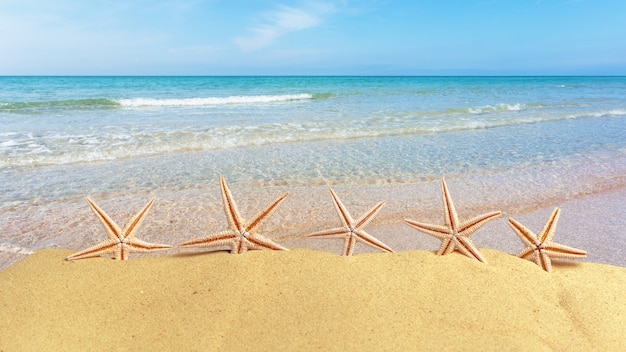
{"points": [[307, 37]]}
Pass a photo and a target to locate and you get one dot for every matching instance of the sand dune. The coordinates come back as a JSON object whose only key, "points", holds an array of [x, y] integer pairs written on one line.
{"points": [[309, 300]]}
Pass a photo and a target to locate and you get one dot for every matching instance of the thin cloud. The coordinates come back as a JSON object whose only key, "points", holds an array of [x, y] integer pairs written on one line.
{"points": [[284, 20]]}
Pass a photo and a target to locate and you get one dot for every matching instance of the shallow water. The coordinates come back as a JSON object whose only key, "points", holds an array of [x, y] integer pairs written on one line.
{"points": [[389, 159]]}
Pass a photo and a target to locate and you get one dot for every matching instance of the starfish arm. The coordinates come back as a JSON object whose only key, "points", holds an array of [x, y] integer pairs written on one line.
{"points": [[223, 238], [447, 246], [121, 252], [114, 232], [230, 207], [450, 214], [238, 246], [137, 245], [348, 246], [265, 213], [556, 250], [526, 253], [548, 230], [133, 225], [372, 241], [338, 232], [344, 215], [105, 247], [467, 247], [368, 217], [441, 232], [470, 226], [257, 241], [543, 260], [529, 238]]}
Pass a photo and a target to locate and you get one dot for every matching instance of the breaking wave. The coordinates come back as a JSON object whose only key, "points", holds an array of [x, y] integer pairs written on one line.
{"points": [[107, 103], [241, 99], [117, 142]]}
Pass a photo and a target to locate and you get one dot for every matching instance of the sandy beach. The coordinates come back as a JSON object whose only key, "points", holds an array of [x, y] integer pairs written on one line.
{"points": [[310, 300], [522, 146]]}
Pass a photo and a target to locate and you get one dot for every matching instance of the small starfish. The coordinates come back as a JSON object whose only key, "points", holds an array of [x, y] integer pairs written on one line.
{"points": [[352, 230], [454, 235], [240, 236], [120, 241], [541, 246]]}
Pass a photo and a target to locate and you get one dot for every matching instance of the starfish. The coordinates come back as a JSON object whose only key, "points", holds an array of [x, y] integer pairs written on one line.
{"points": [[541, 246], [240, 236], [120, 241], [454, 235], [352, 230]]}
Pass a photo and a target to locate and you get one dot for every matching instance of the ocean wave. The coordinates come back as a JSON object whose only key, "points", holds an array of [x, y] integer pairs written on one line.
{"points": [[497, 108], [240, 99], [602, 113], [117, 142], [33, 106], [106, 103]]}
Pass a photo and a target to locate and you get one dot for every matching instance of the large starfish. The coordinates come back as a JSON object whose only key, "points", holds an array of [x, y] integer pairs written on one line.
{"points": [[240, 236], [120, 241], [541, 246], [454, 235], [352, 231]]}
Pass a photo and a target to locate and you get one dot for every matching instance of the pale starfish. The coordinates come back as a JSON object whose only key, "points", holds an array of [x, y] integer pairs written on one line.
{"points": [[240, 236], [454, 235], [120, 241], [541, 246], [352, 230]]}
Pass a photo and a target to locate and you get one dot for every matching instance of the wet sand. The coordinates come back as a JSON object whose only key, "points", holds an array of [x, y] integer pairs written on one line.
{"points": [[591, 221]]}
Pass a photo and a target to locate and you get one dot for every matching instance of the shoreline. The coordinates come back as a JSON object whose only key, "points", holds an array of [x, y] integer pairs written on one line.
{"points": [[49, 210], [588, 221]]}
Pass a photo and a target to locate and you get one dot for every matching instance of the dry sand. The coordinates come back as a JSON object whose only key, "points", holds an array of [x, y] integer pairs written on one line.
{"points": [[304, 300]]}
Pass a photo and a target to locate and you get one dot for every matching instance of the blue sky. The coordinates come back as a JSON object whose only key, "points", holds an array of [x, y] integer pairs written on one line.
{"points": [[334, 37]]}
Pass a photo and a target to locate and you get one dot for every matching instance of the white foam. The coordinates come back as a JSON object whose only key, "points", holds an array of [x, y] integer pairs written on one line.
{"points": [[496, 108], [616, 112], [9, 143], [242, 99], [602, 113], [9, 248], [113, 143]]}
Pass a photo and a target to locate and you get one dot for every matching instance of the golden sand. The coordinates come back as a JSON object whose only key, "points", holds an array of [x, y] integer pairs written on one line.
{"points": [[309, 300]]}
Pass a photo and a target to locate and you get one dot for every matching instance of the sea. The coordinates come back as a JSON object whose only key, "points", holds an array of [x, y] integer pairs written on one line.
{"points": [[112, 138]]}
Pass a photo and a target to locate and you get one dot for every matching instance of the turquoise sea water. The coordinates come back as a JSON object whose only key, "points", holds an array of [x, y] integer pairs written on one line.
{"points": [[56, 131], [70, 120]]}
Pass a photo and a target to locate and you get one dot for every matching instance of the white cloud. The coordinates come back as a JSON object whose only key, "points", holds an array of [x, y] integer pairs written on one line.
{"points": [[284, 20]]}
